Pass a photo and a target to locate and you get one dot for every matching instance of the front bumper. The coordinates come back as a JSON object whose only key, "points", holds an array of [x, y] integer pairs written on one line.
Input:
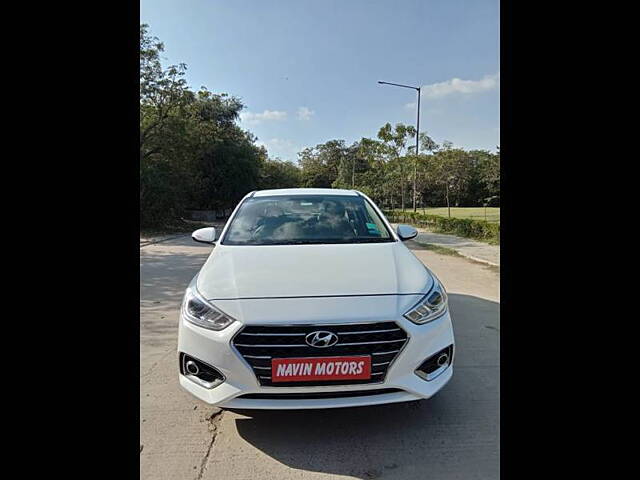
{"points": [[215, 349]]}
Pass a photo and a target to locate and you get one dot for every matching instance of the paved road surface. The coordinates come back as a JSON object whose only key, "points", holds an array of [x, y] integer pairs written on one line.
{"points": [[454, 435]]}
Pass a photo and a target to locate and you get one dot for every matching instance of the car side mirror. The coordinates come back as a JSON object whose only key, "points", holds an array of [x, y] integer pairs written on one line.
{"points": [[406, 232], [204, 235]]}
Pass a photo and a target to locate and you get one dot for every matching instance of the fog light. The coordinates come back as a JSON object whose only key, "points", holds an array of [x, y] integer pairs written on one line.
{"points": [[442, 360], [192, 368], [435, 364], [199, 372]]}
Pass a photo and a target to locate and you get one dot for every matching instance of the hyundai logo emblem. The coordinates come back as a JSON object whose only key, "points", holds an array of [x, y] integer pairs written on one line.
{"points": [[321, 339]]}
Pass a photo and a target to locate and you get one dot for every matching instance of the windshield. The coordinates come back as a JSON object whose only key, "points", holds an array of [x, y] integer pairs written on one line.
{"points": [[302, 219]]}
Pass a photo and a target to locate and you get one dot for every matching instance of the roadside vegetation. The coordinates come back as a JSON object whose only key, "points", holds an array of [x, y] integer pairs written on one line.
{"points": [[172, 226], [462, 227], [194, 155], [490, 214]]}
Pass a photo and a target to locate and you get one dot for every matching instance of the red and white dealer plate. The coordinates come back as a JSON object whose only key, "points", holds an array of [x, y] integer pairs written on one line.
{"points": [[320, 368]]}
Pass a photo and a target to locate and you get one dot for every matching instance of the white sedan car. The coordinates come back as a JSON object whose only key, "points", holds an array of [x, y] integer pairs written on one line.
{"points": [[311, 300]]}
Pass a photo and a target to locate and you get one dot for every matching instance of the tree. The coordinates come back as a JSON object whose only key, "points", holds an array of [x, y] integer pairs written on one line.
{"points": [[192, 152], [422, 167], [275, 173], [427, 143], [395, 142], [162, 93], [352, 161], [490, 175], [321, 163], [452, 170]]}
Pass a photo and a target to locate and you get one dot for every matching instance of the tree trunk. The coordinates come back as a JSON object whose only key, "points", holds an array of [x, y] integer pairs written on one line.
{"points": [[448, 207], [415, 174], [353, 173], [402, 186]]}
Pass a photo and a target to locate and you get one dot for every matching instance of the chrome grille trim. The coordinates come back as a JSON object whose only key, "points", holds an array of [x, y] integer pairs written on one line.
{"points": [[371, 331], [305, 345], [368, 338], [298, 334], [274, 334], [367, 343]]}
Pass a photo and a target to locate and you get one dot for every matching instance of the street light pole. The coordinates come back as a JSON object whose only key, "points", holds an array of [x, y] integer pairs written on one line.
{"points": [[415, 163]]}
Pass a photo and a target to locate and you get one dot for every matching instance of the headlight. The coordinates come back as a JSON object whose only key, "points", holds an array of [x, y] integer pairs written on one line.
{"points": [[432, 305], [200, 312]]}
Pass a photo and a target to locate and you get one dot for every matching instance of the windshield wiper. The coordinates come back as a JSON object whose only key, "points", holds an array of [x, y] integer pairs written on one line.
{"points": [[291, 242], [307, 242], [329, 241], [317, 241], [372, 240]]}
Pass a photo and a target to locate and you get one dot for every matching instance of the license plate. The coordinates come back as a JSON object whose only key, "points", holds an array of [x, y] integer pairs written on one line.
{"points": [[320, 368]]}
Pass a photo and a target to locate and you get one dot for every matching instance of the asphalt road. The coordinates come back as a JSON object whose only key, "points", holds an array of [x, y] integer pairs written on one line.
{"points": [[454, 435]]}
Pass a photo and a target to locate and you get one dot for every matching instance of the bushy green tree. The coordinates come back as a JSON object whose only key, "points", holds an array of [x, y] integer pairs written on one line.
{"points": [[192, 152], [275, 173], [320, 164], [395, 141], [353, 163]]}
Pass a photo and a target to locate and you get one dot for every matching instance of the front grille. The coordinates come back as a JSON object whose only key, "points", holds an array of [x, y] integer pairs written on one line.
{"points": [[258, 344], [319, 395]]}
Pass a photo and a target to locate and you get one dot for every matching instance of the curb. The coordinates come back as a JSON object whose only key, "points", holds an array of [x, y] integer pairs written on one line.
{"points": [[476, 259], [463, 254], [160, 240]]}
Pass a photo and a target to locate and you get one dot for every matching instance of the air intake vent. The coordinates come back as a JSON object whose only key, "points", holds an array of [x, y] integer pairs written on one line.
{"points": [[320, 395]]}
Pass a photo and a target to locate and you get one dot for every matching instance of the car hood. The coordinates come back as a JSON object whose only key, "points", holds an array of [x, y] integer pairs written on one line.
{"points": [[285, 271]]}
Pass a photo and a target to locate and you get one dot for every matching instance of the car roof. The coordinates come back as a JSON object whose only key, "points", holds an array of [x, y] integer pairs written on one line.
{"points": [[305, 191]]}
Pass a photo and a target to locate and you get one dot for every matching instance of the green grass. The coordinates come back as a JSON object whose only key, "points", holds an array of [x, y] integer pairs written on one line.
{"points": [[474, 213]]}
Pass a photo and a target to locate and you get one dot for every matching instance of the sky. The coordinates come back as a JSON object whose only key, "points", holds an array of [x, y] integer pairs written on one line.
{"points": [[307, 70]]}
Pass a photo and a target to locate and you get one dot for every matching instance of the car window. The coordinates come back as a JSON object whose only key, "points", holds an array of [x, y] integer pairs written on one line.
{"points": [[301, 219]]}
